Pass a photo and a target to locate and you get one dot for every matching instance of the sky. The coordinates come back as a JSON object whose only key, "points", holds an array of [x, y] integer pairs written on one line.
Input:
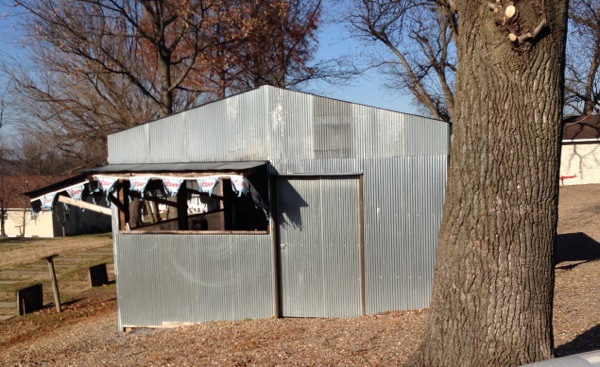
{"points": [[369, 90], [333, 42]]}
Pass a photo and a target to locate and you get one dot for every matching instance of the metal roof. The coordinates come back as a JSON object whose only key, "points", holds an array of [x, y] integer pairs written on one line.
{"points": [[56, 186], [177, 167]]}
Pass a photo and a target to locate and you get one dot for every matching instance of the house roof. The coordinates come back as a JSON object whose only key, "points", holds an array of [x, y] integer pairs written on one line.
{"points": [[581, 128], [55, 185]]}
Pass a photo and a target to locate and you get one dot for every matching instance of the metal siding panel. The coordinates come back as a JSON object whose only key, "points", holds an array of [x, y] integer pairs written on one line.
{"points": [[291, 116], [168, 141], [301, 262], [425, 136], [319, 232], [403, 208], [385, 133], [341, 246], [272, 123], [232, 129], [384, 228], [207, 131], [129, 146], [193, 278], [254, 127], [316, 167], [333, 129], [381, 132]]}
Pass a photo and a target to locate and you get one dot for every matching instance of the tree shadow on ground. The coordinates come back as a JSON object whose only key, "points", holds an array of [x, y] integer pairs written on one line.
{"points": [[576, 248], [585, 342]]}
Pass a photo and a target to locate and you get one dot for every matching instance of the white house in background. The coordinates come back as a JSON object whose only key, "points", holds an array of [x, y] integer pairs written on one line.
{"points": [[21, 221], [17, 218], [580, 156]]}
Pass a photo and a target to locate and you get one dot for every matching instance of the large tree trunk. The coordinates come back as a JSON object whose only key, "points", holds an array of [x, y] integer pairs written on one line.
{"points": [[493, 282]]}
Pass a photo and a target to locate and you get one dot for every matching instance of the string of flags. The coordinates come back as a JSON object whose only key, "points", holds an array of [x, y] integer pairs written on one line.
{"points": [[206, 184]]}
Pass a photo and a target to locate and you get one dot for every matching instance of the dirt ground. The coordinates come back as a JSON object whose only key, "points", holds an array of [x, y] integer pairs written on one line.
{"points": [[86, 333]]}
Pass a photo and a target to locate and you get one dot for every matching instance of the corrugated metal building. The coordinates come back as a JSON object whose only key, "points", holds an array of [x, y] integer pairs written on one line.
{"points": [[340, 218]]}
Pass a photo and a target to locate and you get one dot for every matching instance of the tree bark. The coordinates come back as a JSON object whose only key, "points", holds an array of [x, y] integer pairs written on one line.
{"points": [[493, 283]]}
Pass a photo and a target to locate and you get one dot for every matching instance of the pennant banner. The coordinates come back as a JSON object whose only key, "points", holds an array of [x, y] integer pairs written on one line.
{"points": [[207, 184], [47, 201], [138, 183], [258, 200], [106, 182], [240, 185], [172, 185], [76, 191]]}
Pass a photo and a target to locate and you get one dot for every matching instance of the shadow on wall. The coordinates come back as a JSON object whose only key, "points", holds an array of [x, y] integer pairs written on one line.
{"points": [[584, 342], [575, 247], [289, 203]]}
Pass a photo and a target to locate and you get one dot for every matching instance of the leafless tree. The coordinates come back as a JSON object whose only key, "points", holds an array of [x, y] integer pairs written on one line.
{"points": [[583, 58], [103, 66], [411, 42]]}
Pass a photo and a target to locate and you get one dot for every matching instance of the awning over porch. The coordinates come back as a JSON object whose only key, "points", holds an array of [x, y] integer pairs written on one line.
{"points": [[103, 179]]}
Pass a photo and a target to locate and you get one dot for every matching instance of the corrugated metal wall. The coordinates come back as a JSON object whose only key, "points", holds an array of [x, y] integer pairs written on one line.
{"points": [[402, 213], [403, 200], [319, 231], [185, 278], [402, 160], [280, 125]]}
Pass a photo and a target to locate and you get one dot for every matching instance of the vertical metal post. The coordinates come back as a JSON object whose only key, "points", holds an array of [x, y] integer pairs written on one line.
{"points": [[361, 245], [50, 260]]}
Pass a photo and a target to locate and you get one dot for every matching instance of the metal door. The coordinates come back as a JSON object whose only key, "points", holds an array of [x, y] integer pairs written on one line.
{"points": [[320, 252]]}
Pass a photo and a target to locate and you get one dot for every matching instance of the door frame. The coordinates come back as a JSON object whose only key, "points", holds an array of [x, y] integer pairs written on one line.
{"points": [[276, 236]]}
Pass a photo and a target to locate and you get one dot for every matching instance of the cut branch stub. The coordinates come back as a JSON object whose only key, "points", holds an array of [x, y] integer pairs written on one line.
{"points": [[510, 11], [518, 20]]}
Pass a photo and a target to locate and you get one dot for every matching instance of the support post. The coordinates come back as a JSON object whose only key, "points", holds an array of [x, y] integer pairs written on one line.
{"points": [[182, 214], [50, 260]]}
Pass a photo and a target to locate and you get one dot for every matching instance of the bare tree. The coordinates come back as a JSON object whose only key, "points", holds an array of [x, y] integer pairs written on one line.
{"points": [[493, 282], [418, 51], [5, 191], [279, 43], [102, 66], [583, 58], [412, 43], [262, 43], [33, 157]]}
